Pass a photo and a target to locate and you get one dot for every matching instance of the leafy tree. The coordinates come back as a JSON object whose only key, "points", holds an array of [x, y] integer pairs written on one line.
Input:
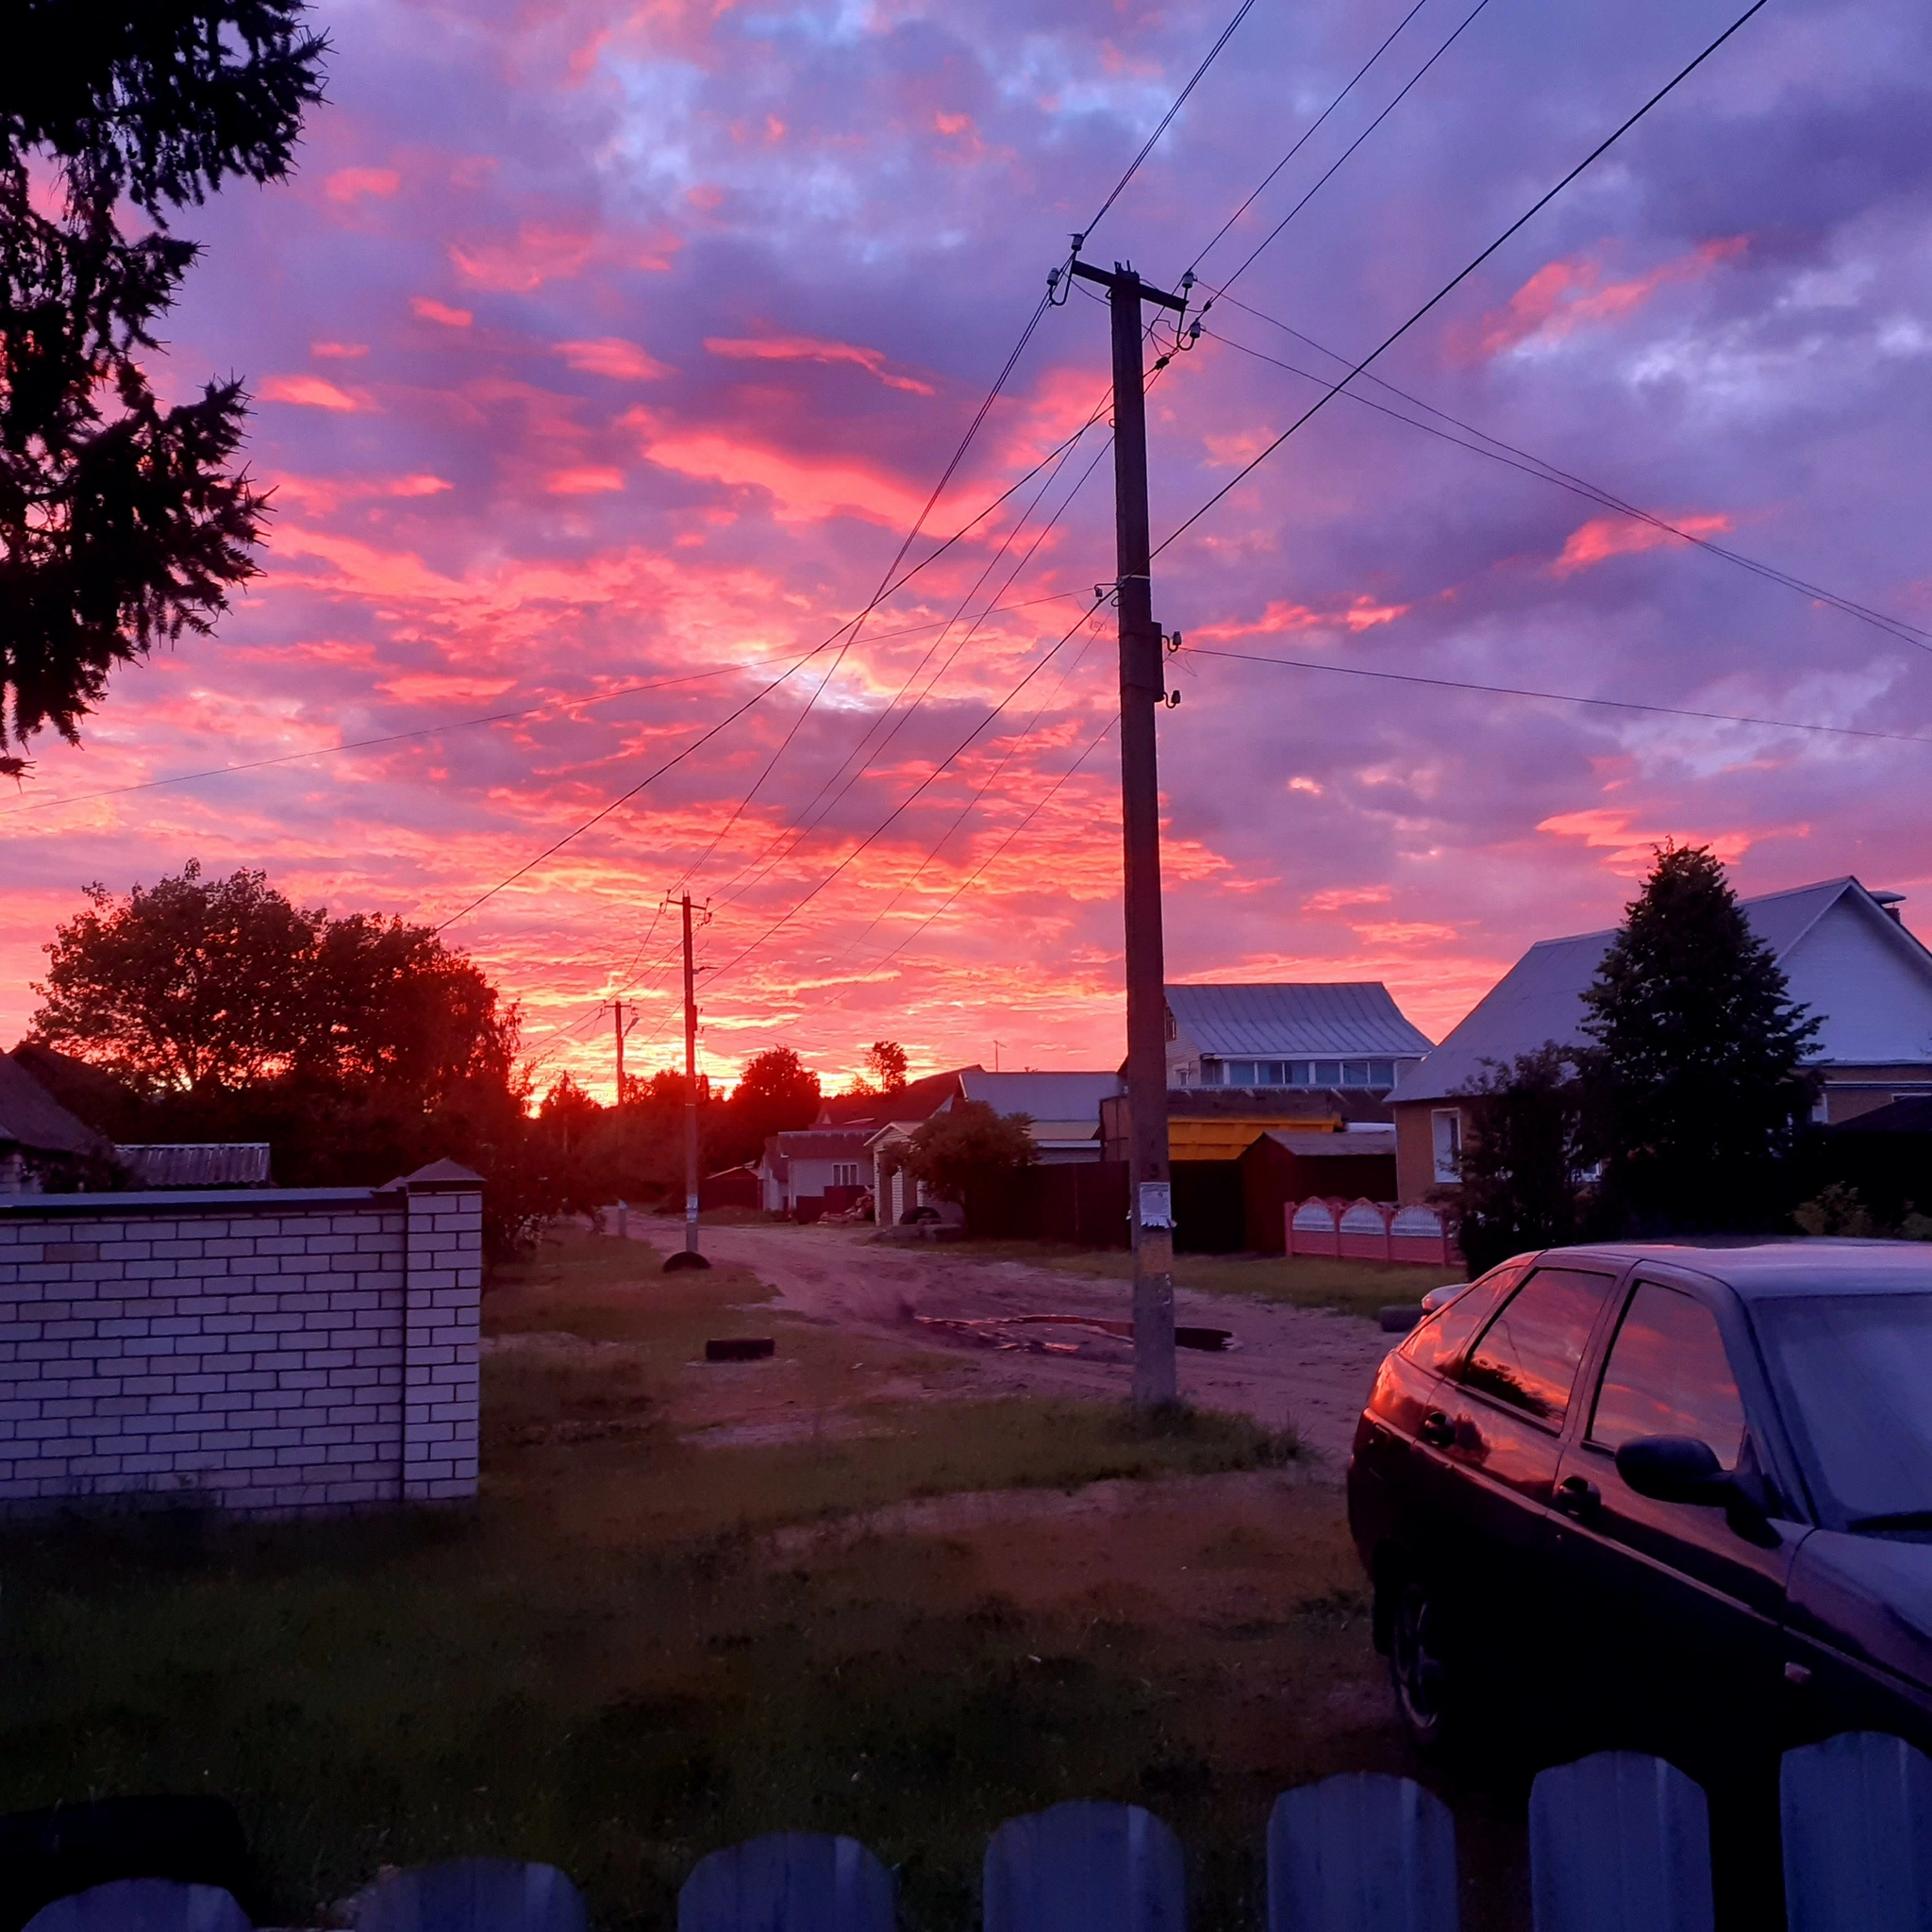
{"points": [[121, 522], [1523, 1159], [1696, 1069], [885, 1067], [775, 1093], [189, 986], [961, 1154]]}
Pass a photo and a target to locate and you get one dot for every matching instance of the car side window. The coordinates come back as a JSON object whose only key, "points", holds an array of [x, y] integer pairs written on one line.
{"points": [[1668, 1375], [1440, 1340], [1528, 1354]]}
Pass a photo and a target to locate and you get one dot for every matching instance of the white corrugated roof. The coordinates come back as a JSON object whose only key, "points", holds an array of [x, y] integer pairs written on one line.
{"points": [[1045, 1096], [1282, 1021], [1540, 997]]}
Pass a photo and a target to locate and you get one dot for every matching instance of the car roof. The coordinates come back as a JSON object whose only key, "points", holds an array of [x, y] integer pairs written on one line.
{"points": [[1760, 1267]]}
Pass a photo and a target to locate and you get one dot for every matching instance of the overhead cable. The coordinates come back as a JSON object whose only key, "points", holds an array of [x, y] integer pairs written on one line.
{"points": [[1463, 274]]}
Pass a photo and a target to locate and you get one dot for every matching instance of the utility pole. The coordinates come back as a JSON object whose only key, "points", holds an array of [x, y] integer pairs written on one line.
{"points": [[617, 1024], [1143, 689], [690, 1257]]}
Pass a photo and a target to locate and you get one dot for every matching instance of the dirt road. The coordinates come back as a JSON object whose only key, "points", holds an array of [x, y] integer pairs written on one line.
{"points": [[1304, 1366]]}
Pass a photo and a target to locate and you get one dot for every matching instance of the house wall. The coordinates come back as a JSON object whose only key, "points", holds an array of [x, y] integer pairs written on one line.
{"points": [[273, 1353], [1415, 1149], [1857, 969]]}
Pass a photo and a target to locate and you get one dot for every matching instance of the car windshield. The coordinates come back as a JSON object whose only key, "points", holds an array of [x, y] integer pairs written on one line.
{"points": [[1852, 1371]]}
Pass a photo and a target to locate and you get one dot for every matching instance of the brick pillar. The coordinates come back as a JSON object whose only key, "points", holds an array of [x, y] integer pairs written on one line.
{"points": [[443, 1296]]}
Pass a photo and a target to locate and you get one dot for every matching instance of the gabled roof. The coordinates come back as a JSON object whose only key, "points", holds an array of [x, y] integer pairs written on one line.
{"points": [[1540, 997], [1358, 1016], [204, 1163], [32, 1118], [1371, 1140], [823, 1144], [917, 1100], [1045, 1096]]}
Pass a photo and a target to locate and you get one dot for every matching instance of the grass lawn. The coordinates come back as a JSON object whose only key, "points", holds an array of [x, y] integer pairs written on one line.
{"points": [[663, 1629], [1354, 1288]]}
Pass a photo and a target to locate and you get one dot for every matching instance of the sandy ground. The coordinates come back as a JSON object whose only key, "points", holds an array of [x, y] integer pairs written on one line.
{"points": [[1307, 1367]]}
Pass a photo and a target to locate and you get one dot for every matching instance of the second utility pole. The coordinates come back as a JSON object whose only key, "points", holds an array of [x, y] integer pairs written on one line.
{"points": [[690, 1257], [1144, 688]]}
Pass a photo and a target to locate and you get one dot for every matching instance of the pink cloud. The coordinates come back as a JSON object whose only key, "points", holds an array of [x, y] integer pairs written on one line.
{"points": [[1562, 295], [811, 349], [1603, 537], [543, 251], [805, 491], [430, 310], [346, 351], [310, 392], [1630, 851], [586, 482], [1281, 618], [350, 184], [613, 356]]}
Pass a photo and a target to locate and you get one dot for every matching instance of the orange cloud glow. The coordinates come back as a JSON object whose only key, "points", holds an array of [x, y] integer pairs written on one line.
{"points": [[613, 356], [430, 310], [1281, 618], [1604, 537], [310, 391], [350, 184], [1630, 851], [586, 482], [803, 491], [1563, 295], [811, 349]]}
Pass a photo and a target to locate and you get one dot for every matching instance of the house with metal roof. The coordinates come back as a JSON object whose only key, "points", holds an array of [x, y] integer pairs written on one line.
{"points": [[1846, 954], [1063, 1108], [1294, 1036]]}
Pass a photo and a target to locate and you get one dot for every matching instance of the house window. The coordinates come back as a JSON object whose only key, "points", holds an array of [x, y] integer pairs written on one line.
{"points": [[1326, 1073], [1445, 1128], [844, 1174]]}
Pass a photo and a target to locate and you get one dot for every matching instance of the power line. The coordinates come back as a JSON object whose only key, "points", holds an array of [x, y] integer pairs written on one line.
{"points": [[1306, 134], [1559, 697], [1498, 451], [1335, 166], [1462, 274]]}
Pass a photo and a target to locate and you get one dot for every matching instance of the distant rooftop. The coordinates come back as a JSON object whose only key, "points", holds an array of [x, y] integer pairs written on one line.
{"points": [[1350, 1017]]}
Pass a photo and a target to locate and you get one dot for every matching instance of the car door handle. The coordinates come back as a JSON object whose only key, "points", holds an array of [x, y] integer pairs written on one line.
{"points": [[1436, 1429], [1578, 1496]]}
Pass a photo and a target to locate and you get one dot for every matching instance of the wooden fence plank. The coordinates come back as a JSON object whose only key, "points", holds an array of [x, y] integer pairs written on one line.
{"points": [[1618, 1842], [143, 1905], [791, 1881], [1084, 1867], [474, 1895], [1361, 1853], [1857, 1835]]}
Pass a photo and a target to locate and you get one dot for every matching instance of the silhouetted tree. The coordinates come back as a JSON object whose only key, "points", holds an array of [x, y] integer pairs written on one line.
{"points": [[962, 1153], [121, 522], [1523, 1159], [885, 1066], [1695, 1076], [775, 1091]]}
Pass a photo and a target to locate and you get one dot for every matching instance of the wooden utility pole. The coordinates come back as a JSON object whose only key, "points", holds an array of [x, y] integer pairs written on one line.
{"points": [[690, 1256], [617, 1024], [1144, 689]]}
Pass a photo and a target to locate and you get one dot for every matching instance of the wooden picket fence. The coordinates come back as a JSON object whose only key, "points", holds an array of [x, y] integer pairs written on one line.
{"points": [[1618, 1843], [1370, 1231]]}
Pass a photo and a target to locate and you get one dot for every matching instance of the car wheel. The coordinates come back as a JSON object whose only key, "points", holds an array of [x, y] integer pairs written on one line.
{"points": [[1417, 1665]]}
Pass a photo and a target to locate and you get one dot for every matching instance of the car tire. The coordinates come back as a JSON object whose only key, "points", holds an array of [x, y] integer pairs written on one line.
{"points": [[1419, 1665]]}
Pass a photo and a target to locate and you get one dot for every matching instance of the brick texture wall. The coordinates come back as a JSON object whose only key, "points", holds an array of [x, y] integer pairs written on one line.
{"points": [[271, 1352]]}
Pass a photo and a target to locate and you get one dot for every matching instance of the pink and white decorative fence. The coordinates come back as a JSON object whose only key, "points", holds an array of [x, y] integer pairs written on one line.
{"points": [[1369, 1231]]}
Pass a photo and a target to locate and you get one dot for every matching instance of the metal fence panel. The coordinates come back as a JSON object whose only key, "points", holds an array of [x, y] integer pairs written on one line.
{"points": [[1084, 1867], [1361, 1853], [791, 1881], [143, 1905], [1618, 1842], [1857, 1835]]}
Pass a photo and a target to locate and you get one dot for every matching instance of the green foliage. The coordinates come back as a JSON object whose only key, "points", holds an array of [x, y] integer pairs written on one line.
{"points": [[1837, 1208], [885, 1066], [1522, 1159], [359, 1048], [1695, 1075], [959, 1151], [121, 524]]}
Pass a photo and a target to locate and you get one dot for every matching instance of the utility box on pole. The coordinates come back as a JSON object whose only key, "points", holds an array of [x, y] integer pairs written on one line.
{"points": [[1143, 690]]}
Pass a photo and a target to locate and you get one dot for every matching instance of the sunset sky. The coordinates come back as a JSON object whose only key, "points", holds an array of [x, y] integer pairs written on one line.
{"points": [[598, 347]]}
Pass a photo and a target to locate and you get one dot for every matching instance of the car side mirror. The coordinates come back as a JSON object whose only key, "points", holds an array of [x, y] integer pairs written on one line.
{"points": [[1674, 1468], [1681, 1469]]}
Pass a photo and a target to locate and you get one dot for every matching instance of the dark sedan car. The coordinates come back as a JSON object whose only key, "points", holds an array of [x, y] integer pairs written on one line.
{"points": [[1671, 1497]]}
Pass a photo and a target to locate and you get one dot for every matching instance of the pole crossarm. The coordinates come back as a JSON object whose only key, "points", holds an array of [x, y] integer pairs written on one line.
{"points": [[1117, 276]]}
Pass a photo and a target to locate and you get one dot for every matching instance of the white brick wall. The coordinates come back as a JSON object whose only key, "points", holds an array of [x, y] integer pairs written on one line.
{"points": [[271, 1352]]}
